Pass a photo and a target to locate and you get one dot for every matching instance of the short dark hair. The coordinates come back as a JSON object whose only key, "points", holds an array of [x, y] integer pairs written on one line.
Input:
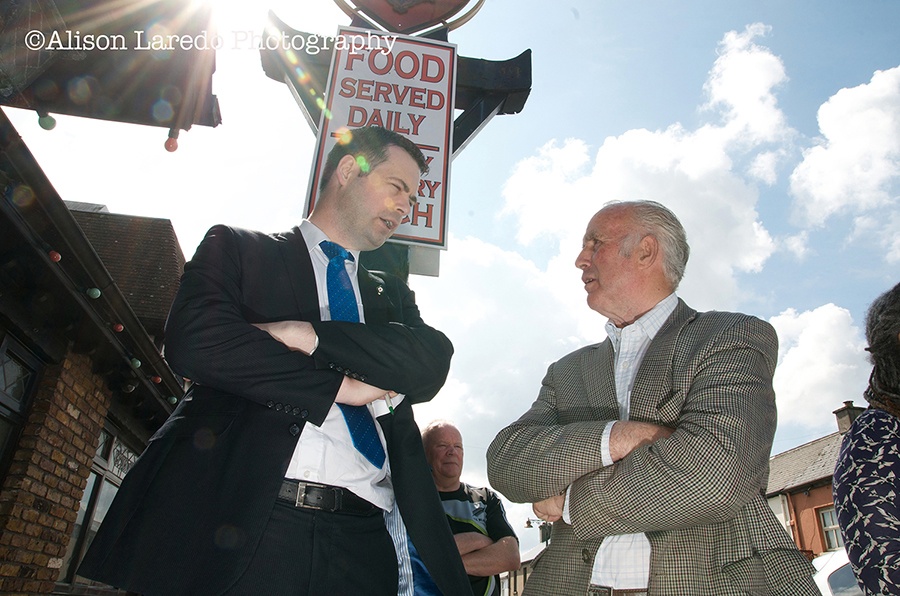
{"points": [[368, 145], [882, 330]]}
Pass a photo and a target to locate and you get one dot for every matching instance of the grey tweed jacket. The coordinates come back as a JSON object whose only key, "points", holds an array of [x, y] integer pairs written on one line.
{"points": [[698, 495]]}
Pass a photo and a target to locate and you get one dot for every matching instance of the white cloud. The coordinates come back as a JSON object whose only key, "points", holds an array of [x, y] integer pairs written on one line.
{"points": [[883, 229], [855, 167], [798, 245], [741, 83], [821, 364], [554, 192], [507, 324], [764, 167]]}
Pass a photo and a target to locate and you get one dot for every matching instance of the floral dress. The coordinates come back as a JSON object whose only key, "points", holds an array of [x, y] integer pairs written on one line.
{"points": [[866, 482]]}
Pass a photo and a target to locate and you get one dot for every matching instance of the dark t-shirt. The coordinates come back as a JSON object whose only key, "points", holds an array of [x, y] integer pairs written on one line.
{"points": [[471, 509]]}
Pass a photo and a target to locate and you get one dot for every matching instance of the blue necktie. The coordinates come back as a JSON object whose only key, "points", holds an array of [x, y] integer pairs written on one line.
{"points": [[343, 307]]}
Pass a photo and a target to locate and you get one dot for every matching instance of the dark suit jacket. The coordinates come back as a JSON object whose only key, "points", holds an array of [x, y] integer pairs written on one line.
{"points": [[698, 495], [188, 516]]}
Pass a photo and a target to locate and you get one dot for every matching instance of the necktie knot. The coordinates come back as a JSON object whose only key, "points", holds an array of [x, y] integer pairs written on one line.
{"points": [[335, 251]]}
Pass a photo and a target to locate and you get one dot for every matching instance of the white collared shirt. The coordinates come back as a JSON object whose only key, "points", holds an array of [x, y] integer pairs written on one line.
{"points": [[623, 561], [325, 454]]}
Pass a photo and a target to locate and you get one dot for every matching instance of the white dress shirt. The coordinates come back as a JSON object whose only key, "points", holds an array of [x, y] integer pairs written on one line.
{"points": [[325, 454], [623, 561]]}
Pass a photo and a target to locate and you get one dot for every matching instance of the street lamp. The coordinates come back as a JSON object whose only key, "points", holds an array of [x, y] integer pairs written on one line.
{"points": [[543, 526]]}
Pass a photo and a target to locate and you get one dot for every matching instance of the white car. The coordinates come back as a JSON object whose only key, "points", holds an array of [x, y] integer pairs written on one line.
{"points": [[834, 576]]}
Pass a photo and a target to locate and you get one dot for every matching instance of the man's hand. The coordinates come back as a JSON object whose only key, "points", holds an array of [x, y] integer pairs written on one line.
{"points": [[550, 509], [296, 335], [627, 435], [357, 393]]}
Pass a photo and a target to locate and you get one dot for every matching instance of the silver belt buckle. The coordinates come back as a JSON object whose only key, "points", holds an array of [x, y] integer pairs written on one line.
{"points": [[301, 494]]}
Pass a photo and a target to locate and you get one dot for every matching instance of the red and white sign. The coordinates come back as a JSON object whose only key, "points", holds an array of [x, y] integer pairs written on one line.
{"points": [[405, 84], [405, 16]]}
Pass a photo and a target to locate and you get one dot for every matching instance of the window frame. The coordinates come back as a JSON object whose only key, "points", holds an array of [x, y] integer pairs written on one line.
{"points": [[15, 411], [829, 531], [104, 470]]}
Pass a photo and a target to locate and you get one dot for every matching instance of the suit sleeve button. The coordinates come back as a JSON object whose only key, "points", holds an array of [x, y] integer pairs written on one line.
{"points": [[304, 414], [294, 429], [270, 404]]}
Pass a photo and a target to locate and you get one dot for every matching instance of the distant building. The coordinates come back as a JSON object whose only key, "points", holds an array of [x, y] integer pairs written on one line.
{"points": [[83, 301], [513, 582], [799, 490]]}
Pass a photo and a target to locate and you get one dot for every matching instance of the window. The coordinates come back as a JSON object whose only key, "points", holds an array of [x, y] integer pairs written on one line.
{"points": [[19, 370], [830, 529], [113, 460]]}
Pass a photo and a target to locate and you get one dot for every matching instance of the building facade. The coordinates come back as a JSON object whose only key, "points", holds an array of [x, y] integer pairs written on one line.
{"points": [[799, 489], [83, 300]]}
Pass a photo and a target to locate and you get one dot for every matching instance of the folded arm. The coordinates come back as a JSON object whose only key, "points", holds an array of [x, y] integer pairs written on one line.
{"points": [[483, 557], [537, 456], [714, 462], [210, 339]]}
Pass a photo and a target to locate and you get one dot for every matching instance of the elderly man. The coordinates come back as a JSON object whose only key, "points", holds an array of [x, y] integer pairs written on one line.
{"points": [[650, 451], [486, 542]]}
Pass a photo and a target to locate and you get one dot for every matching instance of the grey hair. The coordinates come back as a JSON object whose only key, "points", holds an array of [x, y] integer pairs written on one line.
{"points": [[433, 427], [657, 220]]}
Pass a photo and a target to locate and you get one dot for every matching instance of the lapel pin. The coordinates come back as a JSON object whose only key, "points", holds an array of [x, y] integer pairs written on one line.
{"points": [[379, 290]]}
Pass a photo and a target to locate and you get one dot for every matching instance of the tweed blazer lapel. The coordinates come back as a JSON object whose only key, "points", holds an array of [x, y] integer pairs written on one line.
{"points": [[652, 396], [303, 283], [597, 370]]}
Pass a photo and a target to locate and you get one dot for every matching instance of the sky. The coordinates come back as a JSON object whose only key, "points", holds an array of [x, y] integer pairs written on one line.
{"points": [[771, 128]]}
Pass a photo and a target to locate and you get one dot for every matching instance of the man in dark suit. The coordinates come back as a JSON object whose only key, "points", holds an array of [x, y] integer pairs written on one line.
{"points": [[650, 451], [270, 476]]}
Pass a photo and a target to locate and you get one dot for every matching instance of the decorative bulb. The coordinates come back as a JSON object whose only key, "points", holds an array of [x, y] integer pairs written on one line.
{"points": [[156, 379], [171, 145], [173, 400], [54, 256], [118, 327], [135, 363], [47, 122], [93, 293]]}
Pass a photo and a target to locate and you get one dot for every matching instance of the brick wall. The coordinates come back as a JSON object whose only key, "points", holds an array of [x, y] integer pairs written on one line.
{"points": [[40, 496]]}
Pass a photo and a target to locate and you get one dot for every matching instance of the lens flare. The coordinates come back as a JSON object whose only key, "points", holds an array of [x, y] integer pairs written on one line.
{"points": [[22, 196], [79, 90], [163, 111]]}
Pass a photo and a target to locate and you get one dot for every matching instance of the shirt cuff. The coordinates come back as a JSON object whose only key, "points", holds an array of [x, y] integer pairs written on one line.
{"points": [[380, 406], [566, 516], [604, 444]]}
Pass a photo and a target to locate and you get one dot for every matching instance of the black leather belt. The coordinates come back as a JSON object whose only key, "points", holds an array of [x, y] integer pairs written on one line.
{"points": [[323, 497]]}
